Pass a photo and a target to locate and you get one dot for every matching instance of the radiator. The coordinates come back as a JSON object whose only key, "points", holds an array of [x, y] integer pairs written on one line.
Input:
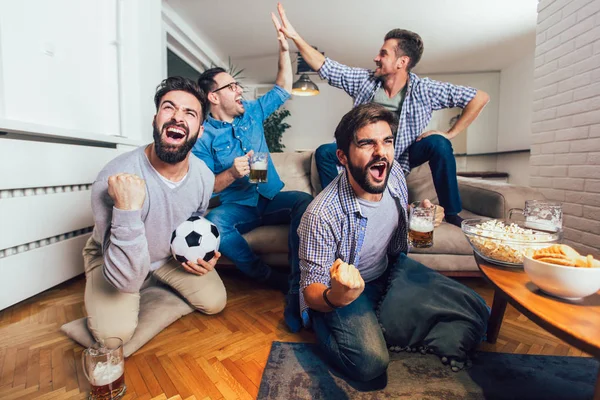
{"points": [[45, 212]]}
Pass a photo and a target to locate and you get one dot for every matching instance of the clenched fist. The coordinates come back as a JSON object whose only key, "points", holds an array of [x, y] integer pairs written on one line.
{"points": [[128, 191], [346, 283], [241, 165]]}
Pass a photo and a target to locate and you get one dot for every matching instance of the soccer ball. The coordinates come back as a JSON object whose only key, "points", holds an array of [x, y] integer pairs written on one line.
{"points": [[195, 238]]}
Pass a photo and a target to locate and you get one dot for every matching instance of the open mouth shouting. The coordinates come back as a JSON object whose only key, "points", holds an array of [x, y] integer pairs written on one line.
{"points": [[378, 170], [175, 135]]}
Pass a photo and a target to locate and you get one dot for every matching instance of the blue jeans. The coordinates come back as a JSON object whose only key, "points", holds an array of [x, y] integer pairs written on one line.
{"points": [[435, 148], [233, 220], [351, 337], [409, 306]]}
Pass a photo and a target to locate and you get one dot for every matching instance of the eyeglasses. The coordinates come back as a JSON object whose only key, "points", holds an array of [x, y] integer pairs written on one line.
{"points": [[233, 86]]}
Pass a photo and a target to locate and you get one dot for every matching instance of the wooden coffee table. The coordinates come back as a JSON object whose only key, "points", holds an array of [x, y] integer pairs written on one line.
{"points": [[577, 323]]}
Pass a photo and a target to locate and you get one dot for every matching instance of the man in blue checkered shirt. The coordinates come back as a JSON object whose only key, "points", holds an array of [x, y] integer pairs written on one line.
{"points": [[359, 290], [393, 85]]}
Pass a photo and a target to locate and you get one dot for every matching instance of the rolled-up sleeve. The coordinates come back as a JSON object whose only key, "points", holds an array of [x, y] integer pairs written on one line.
{"points": [[317, 250], [271, 101], [448, 95], [341, 76]]}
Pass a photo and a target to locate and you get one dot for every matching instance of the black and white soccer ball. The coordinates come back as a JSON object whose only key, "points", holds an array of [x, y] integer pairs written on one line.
{"points": [[195, 238]]}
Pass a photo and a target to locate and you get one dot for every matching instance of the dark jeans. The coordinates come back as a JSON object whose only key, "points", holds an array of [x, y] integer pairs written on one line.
{"points": [[351, 337], [416, 306], [435, 148], [233, 220]]}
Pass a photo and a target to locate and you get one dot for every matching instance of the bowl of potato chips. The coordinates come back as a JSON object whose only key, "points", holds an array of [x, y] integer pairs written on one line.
{"points": [[503, 242], [561, 271]]}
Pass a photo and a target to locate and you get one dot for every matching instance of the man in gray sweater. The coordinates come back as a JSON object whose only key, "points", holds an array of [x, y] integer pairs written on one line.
{"points": [[138, 200]]}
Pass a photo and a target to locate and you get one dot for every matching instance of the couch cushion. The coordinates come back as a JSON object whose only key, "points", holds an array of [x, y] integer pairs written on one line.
{"points": [[268, 239], [294, 170], [492, 198], [420, 184]]}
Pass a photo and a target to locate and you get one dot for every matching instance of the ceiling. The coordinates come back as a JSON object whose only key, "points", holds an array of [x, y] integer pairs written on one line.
{"points": [[459, 35]]}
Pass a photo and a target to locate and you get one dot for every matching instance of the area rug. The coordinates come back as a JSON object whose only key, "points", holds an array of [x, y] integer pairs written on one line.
{"points": [[296, 371]]}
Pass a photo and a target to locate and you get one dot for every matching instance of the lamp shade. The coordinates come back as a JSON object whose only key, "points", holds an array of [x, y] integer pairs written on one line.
{"points": [[305, 87]]}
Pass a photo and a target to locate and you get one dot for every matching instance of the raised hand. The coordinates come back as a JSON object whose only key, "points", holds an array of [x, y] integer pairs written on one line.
{"points": [[283, 43], [346, 283], [287, 28], [128, 191], [241, 165], [201, 267]]}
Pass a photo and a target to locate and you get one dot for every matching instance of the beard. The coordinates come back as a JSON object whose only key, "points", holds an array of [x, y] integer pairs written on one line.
{"points": [[361, 176], [172, 154]]}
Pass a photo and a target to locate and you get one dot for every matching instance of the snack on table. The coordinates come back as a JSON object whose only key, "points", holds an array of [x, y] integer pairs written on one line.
{"points": [[561, 254], [498, 241]]}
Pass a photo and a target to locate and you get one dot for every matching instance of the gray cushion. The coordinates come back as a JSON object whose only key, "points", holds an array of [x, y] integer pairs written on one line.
{"points": [[294, 170], [159, 308]]}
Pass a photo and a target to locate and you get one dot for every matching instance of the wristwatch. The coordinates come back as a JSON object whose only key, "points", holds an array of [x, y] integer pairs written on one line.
{"points": [[329, 303]]}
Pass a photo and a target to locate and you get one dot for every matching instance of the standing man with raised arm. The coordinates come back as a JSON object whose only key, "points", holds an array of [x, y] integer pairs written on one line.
{"points": [[232, 132], [412, 99]]}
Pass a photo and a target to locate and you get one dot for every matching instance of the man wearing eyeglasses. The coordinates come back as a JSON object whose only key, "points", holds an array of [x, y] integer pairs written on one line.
{"points": [[232, 132]]}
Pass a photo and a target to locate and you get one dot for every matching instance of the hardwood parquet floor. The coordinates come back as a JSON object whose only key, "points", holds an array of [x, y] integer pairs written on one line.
{"points": [[197, 357]]}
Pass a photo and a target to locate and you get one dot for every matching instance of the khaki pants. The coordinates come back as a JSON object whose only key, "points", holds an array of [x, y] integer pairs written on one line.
{"points": [[115, 313]]}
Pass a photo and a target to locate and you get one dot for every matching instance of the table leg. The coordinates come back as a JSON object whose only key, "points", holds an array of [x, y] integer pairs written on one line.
{"points": [[597, 390], [496, 315]]}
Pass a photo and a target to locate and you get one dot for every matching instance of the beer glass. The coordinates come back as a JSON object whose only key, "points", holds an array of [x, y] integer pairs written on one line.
{"points": [[540, 214], [258, 167], [104, 367], [420, 225]]}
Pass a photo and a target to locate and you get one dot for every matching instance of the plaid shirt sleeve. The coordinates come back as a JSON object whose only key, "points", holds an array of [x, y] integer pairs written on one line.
{"points": [[447, 95], [341, 76], [317, 250]]}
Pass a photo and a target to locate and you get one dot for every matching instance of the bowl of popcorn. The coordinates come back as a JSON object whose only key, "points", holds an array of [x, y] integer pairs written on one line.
{"points": [[504, 242], [561, 271]]}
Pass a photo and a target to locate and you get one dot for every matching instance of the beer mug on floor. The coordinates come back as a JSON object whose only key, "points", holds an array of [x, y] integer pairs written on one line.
{"points": [[420, 225], [258, 167], [104, 367]]}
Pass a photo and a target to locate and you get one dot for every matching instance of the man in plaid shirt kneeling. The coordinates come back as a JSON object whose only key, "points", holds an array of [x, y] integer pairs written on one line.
{"points": [[358, 289]]}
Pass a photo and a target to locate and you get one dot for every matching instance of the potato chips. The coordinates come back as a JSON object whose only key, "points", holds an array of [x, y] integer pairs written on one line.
{"points": [[561, 254]]}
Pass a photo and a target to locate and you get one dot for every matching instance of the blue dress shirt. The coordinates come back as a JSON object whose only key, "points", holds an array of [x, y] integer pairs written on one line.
{"points": [[222, 142]]}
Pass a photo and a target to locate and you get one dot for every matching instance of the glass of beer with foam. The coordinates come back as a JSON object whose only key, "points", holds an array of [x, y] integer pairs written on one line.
{"points": [[420, 225], [258, 167], [104, 367]]}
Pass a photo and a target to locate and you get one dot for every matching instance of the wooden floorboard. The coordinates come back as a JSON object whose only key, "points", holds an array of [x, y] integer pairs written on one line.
{"points": [[198, 357]]}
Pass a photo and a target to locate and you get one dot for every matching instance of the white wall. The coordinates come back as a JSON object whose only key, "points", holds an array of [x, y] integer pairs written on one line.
{"points": [[61, 77], [314, 119], [517, 167], [59, 65], [483, 132], [516, 98], [565, 149]]}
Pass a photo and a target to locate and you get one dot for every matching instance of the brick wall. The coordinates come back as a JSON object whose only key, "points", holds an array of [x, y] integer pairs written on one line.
{"points": [[565, 149]]}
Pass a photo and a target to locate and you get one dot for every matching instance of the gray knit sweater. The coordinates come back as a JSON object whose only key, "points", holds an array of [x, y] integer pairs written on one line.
{"points": [[137, 242]]}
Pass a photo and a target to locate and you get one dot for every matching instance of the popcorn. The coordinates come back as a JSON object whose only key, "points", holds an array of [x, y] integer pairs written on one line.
{"points": [[498, 241]]}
